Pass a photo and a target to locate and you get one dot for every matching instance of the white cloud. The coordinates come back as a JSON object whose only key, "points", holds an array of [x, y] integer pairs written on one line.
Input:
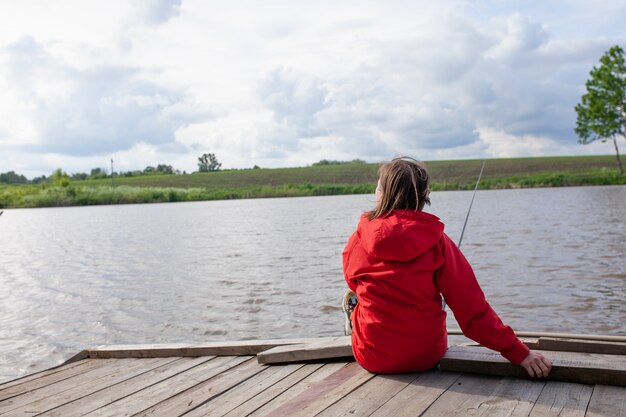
{"points": [[518, 37], [294, 100], [284, 83], [500, 144], [89, 111], [156, 12]]}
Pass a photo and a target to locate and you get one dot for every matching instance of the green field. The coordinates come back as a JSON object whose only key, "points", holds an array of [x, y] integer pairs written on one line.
{"points": [[349, 178]]}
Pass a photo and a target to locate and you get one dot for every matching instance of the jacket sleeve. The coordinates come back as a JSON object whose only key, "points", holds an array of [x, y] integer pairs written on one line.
{"points": [[478, 321], [348, 272]]}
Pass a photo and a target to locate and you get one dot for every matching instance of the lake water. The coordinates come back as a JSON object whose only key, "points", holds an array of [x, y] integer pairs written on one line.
{"points": [[70, 278]]}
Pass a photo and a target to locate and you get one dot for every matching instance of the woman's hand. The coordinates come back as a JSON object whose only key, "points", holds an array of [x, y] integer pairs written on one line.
{"points": [[536, 365]]}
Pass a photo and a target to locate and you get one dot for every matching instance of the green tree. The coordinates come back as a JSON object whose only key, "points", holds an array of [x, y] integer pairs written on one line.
{"points": [[79, 176], [602, 111], [208, 162], [165, 169], [97, 173], [12, 178], [39, 180], [60, 178], [323, 162]]}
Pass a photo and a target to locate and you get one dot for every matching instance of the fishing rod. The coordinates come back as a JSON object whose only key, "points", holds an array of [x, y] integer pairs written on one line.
{"points": [[471, 203], [468, 213]]}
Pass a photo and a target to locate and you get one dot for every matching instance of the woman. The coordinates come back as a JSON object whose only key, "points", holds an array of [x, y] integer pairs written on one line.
{"points": [[399, 262]]}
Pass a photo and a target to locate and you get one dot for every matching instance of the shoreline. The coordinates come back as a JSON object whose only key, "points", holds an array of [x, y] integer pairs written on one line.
{"points": [[340, 179], [58, 196]]}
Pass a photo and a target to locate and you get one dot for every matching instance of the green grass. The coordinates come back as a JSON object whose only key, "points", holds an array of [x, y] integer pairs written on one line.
{"points": [[353, 178], [327, 174]]}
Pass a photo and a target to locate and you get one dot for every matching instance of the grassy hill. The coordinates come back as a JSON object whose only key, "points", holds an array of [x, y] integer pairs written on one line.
{"points": [[349, 178]]}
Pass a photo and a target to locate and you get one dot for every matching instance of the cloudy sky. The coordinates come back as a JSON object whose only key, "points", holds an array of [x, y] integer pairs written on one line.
{"points": [[287, 83]]}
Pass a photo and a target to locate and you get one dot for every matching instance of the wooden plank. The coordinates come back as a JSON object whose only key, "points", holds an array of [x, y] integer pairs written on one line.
{"points": [[368, 397], [292, 392], [50, 396], [233, 348], [605, 338], [588, 346], [325, 393], [332, 348], [263, 398], [531, 342], [227, 401], [187, 401], [51, 381], [83, 354], [50, 376], [253, 347], [481, 395], [607, 400], [39, 374], [95, 400], [148, 397], [588, 368], [562, 399], [137, 350], [337, 347], [416, 397]]}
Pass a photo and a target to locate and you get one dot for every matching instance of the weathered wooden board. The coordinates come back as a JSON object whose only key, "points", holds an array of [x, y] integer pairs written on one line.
{"points": [[562, 399], [324, 393], [326, 348], [487, 396], [588, 346], [338, 347], [587, 368], [83, 354], [144, 353], [179, 379], [604, 338], [607, 400], [367, 398], [294, 391], [164, 390], [47, 372], [271, 393], [244, 347], [78, 406], [226, 402], [416, 397], [187, 401], [50, 396], [32, 382]]}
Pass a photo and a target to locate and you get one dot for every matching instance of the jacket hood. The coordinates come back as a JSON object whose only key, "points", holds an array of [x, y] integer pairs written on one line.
{"points": [[402, 236]]}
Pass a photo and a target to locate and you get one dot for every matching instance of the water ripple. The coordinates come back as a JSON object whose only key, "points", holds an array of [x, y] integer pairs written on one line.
{"points": [[70, 278]]}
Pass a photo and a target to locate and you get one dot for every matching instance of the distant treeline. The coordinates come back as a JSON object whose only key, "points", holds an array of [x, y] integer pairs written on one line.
{"points": [[334, 162], [12, 177], [96, 173]]}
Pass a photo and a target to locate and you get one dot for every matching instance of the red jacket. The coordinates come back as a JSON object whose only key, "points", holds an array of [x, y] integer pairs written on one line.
{"points": [[399, 267]]}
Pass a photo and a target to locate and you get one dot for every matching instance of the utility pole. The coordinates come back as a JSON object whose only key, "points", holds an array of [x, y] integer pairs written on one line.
{"points": [[111, 172]]}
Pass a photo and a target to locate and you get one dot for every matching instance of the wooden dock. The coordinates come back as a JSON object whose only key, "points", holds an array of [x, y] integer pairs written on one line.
{"points": [[318, 377]]}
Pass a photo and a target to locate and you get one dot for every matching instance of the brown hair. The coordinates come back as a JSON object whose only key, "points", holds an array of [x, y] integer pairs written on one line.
{"points": [[403, 185]]}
